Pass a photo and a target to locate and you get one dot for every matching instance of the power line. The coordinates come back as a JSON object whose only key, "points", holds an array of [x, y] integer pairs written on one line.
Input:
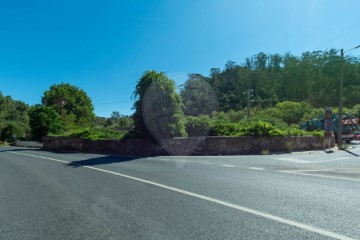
{"points": [[102, 103], [355, 39], [341, 34]]}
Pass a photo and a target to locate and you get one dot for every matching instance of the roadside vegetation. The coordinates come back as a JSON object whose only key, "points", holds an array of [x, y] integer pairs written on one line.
{"points": [[286, 90]]}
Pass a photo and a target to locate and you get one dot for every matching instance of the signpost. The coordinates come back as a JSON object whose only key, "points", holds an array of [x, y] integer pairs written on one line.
{"points": [[328, 125]]}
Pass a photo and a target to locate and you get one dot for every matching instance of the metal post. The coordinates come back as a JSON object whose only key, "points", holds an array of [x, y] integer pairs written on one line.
{"points": [[340, 115], [248, 105]]}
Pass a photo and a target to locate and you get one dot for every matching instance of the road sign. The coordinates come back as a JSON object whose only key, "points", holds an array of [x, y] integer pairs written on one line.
{"points": [[328, 122]]}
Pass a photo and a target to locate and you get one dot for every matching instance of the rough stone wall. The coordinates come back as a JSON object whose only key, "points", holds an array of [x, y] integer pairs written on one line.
{"points": [[210, 146]]}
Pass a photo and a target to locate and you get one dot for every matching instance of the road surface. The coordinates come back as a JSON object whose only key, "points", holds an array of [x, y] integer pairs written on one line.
{"points": [[45, 195]]}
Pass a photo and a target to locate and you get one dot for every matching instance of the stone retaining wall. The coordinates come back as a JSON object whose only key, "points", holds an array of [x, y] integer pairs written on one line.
{"points": [[210, 146], [28, 144]]}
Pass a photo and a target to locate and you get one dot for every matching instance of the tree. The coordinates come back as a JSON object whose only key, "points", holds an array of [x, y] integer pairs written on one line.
{"points": [[197, 96], [43, 121], [14, 118], [11, 131], [177, 125], [125, 122], [292, 112], [120, 121], [115, 115], [71, 103]]}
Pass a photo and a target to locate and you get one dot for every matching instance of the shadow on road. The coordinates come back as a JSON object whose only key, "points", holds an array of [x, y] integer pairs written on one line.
{"points": [[355, 145], [348, 151], [101, 161]]}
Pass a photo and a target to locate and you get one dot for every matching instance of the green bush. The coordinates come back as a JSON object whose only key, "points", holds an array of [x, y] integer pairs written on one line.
{"points": [[95, 133], [317, 133], [12, 131], [261, 128], [289, 147], [44, 121], [292, 112], [265, 151], [193, 124], [225, 129], [296, 132]]}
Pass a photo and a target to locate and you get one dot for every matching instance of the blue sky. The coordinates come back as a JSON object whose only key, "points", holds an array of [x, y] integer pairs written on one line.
{"points": [[104, 47]]}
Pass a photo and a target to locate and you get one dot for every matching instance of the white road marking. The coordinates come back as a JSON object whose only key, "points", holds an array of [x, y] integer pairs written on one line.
{"points": [[320, 175], [160, 159], [256, 168], [52, 159], [294, 160], [336, 159], [213, 200], [227, 165], [205, 162], [300, 170]]}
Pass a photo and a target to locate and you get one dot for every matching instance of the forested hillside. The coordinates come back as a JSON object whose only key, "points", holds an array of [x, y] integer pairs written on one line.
{"points": [[285, 90], [312, 77]]}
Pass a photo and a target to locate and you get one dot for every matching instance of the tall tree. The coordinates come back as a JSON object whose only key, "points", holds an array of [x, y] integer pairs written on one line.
{"points": [[43, 121], [71, 103], [166, 87]]}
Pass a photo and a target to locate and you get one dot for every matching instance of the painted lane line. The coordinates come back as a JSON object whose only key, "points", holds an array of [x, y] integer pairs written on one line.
{"points": [[227, 165], [52, 159], [213, 200], [294, 160], [301, 170], [256, 168], [320, 175], [336, 159]]}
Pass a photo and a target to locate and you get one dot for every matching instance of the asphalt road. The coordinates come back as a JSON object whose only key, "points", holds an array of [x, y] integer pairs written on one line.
{"points": [[45, 195]]}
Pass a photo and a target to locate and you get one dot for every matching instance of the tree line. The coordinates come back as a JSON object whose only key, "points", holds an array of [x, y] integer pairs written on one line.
{"points": [[312, 77], [285, 90]]}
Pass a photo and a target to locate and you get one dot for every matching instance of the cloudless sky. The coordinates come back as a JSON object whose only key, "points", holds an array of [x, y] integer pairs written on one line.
{"points": [[103, 47]]}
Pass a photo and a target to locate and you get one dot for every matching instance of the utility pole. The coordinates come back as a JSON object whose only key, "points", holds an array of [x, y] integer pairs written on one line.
{"points": [[249, 104], [340, 114]]}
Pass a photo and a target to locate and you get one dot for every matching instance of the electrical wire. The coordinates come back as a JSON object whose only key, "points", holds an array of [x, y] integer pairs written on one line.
{"points": [[102, 103], [340, 35]]}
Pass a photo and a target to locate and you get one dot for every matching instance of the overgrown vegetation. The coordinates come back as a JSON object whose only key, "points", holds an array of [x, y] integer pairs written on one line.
{"points": [[14, 119], [94, 133], [274, 78], [286, 91], [43, 121], [257, 128]]}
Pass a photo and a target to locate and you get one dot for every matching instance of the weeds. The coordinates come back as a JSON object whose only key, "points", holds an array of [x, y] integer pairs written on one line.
{"points": [[265, 151], [289, 147]]}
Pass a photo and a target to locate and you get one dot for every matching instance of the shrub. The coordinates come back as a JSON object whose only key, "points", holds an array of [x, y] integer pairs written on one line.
{"points": [[289, 147], [201, 123], [44, 121], [317, 133], [95, 134], [12, 131], [292, 112], [260, 128], [265, 151], [225, 129]]}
